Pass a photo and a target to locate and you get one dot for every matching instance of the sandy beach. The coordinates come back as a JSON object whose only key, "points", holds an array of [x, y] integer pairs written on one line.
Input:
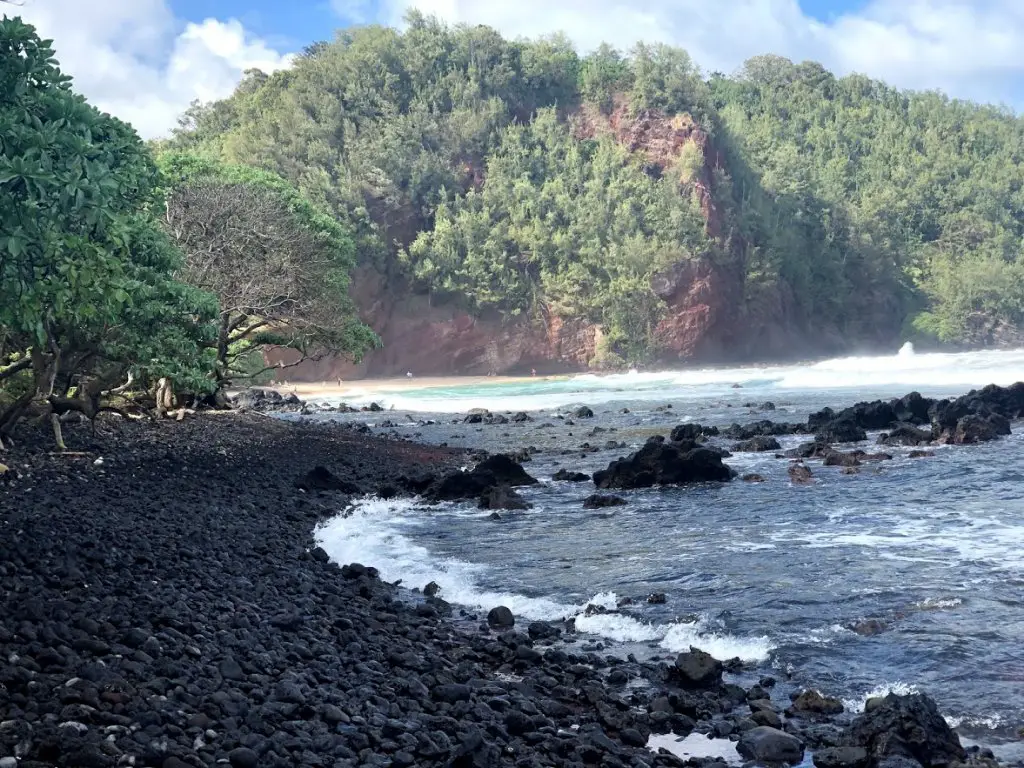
{"points": [[364, 387]]}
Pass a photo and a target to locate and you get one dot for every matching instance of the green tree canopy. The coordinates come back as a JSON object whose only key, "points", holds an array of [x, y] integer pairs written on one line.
{"points": [[278, 265], [86, 275]]}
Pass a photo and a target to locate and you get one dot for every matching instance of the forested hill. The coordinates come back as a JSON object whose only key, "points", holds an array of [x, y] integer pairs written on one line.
{"points": [[518, 204]]}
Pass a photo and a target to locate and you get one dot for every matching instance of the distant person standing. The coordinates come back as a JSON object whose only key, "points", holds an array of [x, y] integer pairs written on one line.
{"points": [[533, 371], [408, 374]]}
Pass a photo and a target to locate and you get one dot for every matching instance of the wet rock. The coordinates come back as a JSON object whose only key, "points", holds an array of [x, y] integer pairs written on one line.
{"points": [[663, 464], [758, 444], [763, 428], [770, 746], [766, 717], [811, 450], [521, 417], [476, 416], [322, 479], [697, 669], [920, 454], [569, 476], [583, 412], [752, 477], [841, 757], [841, 430], [840, 459], [813, 702], [800, 474], [976, 429], [505, 470], [541, 630], [657, 598], [461, 485], [431, 589], [905, 434], [502, 497], [868, 627], [694, 432], [493, 471], [909, 727], [501, 617], [602, 500]]}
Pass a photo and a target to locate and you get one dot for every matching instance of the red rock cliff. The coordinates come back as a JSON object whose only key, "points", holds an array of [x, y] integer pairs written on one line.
{"points": [[705, 302]]}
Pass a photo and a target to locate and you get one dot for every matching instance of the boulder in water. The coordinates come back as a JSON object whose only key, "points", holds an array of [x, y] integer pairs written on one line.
{"points": [[977, 429], [813, 450], [758, 444], [913, 409], [840, 459], [501, 617], [691, 432], [907, 727], [502, 497], [663, 464], [812, 702], [697, 669], [800, 473], [505, 470], [568, 476], [603, 500], [841, 430], [770, 746], [905, 434], [761, 429]]}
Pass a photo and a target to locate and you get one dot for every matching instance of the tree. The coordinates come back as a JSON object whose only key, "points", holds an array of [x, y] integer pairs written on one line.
{"points": [[86, 288], [278, 265]]}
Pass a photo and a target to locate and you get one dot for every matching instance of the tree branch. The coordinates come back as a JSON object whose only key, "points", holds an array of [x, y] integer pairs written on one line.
{"points": [[10, 370]]}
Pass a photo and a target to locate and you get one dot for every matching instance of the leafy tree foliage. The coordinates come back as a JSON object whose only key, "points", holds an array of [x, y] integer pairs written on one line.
{"points": [[278, 266], [86, 287], [454, 156]]}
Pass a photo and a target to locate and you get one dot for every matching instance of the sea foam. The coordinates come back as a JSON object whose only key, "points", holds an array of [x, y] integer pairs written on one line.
{"points": [[371, 532]]}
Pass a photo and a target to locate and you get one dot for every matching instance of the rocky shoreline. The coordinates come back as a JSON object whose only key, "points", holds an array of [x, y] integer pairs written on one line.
{"points": [[163, 604]]}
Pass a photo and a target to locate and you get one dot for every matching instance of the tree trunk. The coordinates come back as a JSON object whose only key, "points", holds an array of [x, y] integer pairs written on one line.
{"points": [[164, 396], [223, 335], [58, 435]]}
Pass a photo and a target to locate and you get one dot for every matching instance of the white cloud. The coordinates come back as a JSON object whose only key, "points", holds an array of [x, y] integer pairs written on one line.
{"points": [[134, 59], [968, 48]]}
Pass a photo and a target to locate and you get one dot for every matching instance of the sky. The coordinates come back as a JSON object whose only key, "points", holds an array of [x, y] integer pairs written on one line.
{"points": [[147, 60]]}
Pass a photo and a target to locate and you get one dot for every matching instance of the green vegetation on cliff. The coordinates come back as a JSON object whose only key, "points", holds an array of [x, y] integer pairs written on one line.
{"points": [[502, 175]]}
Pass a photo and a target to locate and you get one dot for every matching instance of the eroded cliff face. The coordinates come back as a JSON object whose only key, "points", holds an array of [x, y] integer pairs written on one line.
{"points": [[709, 315], [431, 340]]}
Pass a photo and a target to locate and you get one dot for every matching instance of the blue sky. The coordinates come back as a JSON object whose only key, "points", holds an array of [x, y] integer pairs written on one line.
{"points": [[293, 25], [147, 60]]}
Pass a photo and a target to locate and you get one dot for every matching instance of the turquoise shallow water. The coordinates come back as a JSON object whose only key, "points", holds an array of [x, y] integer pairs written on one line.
{"points": [[931, 549]]}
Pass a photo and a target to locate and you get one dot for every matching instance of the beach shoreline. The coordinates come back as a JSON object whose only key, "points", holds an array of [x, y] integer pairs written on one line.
{"points": [[164, 604]]}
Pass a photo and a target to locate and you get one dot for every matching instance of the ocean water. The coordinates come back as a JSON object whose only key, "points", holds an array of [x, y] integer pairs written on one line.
{"points": [[930, 550]]}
